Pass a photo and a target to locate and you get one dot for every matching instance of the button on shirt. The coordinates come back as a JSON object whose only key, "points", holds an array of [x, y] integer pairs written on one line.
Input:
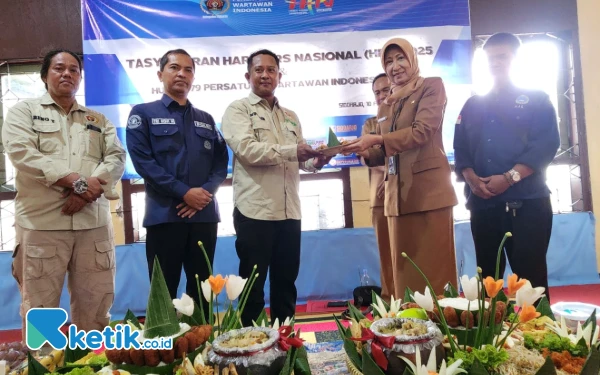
{"points": [[504, 128], [46, 144], [175, 148], [264, 141]]}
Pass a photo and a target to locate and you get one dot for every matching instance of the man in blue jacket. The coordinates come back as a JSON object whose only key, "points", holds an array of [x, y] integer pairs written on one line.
{"points": [[503, 143], [178, 151]]}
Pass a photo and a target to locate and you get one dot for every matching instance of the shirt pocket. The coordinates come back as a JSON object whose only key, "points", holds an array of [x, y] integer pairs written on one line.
{"points": [[291, 132], [207, 140], [263, 131], [93, 144], [165, 138], [427, 164], [50, 140]]}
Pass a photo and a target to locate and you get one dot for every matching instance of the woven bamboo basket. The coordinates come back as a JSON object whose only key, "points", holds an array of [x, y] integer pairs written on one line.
{"points": [[351, 368]]}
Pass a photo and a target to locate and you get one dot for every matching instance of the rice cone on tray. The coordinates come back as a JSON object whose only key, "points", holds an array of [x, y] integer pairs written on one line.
{"points": [[161, 322]]}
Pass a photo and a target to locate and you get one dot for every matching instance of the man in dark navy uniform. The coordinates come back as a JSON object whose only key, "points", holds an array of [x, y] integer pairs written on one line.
{"points": [[503, 144], [178, 151]]}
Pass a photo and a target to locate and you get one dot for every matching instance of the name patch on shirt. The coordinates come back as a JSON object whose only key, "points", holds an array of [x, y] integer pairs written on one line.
{"points": [[41, 118], [200, 124], [162, 121]]}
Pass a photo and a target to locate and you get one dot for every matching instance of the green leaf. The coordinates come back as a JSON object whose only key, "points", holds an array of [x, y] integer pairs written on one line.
{"points": [[408, 295], [591, 320], [34, 367], [450, 291], [548, 368], [355, 313], [544, 308], [161, 318], [501, 296], [407, 371], [130, 316], [349, 346], [592, 365], [288, 364], [263, 318], [344, 332], [478, 369], [332, 140], [301, 367], [72, 355], [368, 364]]}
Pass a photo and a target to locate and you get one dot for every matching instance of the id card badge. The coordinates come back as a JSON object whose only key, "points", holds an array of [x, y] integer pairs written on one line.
{"points": [[393, 165]]}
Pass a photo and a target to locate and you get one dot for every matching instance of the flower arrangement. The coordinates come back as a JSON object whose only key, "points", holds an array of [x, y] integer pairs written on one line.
{"points": [[194, 335], [485, 332]]}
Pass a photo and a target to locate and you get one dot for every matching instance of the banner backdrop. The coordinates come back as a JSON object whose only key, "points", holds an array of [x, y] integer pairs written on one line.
{"points": [[329, 52]]}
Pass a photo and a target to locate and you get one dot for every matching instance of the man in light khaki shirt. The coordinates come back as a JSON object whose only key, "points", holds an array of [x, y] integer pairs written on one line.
{"points": [[268, 147], [68, 160]]}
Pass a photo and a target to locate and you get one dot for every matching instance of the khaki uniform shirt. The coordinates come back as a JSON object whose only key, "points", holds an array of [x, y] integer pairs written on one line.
{"points": [[376, 174], [423, 180], [264, 141], [44, 145]]}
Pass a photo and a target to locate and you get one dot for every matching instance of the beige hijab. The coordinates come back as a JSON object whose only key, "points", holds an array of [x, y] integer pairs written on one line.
{"points": [[414, 79]]}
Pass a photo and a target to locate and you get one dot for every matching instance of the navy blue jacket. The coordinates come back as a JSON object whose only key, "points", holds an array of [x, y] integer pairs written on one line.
{"points": [[175, 148], [498, 130]]}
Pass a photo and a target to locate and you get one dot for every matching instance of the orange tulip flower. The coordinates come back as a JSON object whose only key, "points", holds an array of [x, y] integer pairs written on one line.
{"points": [[492, 287], [216, 283], [514, 285], [528, 313]]}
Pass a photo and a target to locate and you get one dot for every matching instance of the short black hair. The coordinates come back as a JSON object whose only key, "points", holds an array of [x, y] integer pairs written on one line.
{"points": [[380, 75], [165, 59], [262, 52], [48, 60], [504, 39]]}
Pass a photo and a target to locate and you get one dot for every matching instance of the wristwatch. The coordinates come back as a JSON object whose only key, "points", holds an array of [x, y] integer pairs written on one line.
{"points": [[514, 175], [80, 185]]}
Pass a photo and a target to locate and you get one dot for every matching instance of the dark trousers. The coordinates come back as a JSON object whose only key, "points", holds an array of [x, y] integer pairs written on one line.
{"points": [[530, 225], [176, 245], [272, 246]]}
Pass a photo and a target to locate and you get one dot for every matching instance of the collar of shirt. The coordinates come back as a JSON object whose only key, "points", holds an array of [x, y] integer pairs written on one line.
{"points": [[502, 91], [47, 100], [168, 101], [255, 99]]}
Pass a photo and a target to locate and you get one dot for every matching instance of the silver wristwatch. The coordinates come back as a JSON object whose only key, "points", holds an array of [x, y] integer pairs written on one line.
{"points": [[80, 185], [514, 175]]}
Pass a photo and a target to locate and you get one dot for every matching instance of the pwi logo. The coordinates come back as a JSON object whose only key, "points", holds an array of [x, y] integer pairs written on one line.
{"points": [[309, 6]]}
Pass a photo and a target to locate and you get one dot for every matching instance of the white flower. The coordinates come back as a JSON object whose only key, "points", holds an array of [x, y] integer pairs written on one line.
{"points": [[206, 290], [560, 329], [527, 295], [286, 322], [425, 301], [470, 287], [234, 286], [419, 369], [185, 305], [382, 311]]}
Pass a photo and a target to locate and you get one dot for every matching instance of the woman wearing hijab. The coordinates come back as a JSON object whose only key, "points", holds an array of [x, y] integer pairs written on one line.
{"points": [[419, 195]]}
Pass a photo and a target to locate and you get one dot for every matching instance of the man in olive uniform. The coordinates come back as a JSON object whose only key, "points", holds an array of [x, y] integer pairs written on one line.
{"points": [[68, 160]]}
